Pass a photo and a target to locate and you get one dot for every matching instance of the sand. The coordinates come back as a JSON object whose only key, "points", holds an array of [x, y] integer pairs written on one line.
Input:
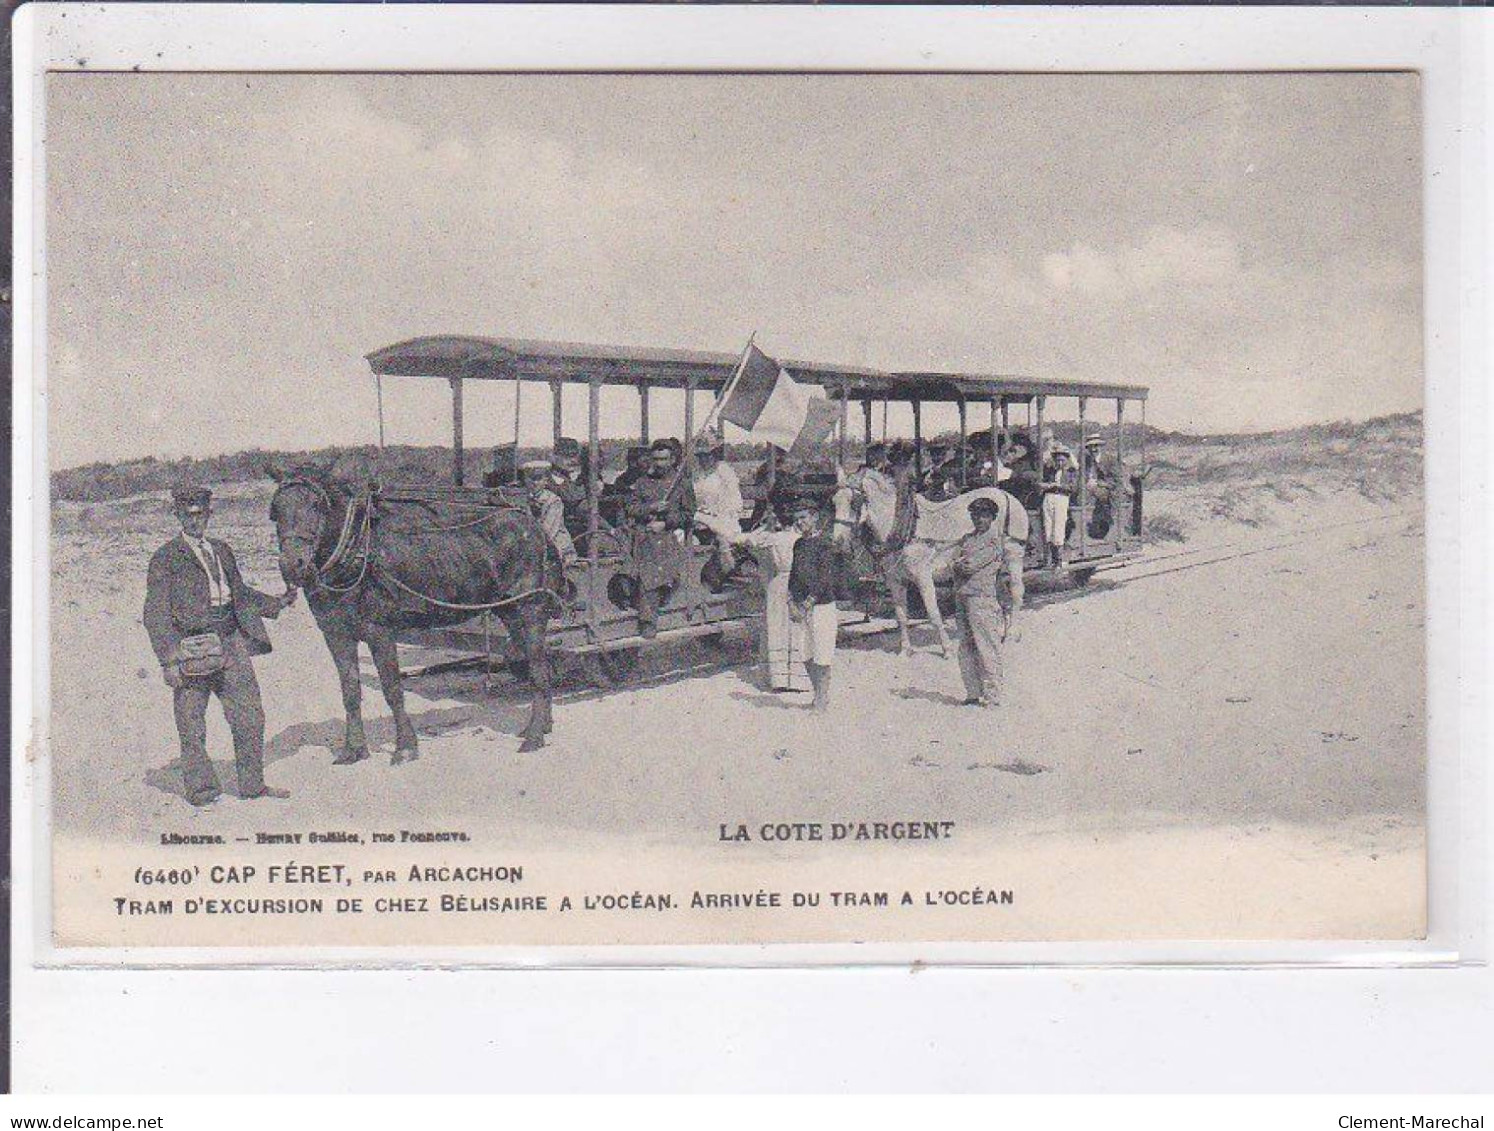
{"points": [[1232, 750]]}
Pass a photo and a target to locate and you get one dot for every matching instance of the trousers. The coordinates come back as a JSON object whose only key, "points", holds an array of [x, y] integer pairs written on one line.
{"points": [[1016, 558], [980, 645], [238, 690], [1055, 518], [820, 629]]}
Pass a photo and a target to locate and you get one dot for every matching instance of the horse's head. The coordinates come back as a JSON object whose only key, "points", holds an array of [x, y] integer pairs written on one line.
{"points": [[848, 500], [307, 510]]}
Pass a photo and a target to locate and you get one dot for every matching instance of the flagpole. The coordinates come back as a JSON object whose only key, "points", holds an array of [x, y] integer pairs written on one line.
{"points": [[726, 390]]}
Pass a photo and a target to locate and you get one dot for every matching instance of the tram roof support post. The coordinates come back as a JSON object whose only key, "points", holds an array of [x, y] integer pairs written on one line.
{"points": [[918, 439], [557, 413], [845, 409], [995, 439], [866, 419], [960, 448], [1118, 480], [643, 414], [1143, 437], [458, 456], [593, 496], [1083, 522], [689, 424]]}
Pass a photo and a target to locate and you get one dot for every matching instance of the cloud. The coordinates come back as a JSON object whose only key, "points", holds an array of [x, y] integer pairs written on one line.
{"points": [[1199, 256], [1223, 344], [256, 235]]}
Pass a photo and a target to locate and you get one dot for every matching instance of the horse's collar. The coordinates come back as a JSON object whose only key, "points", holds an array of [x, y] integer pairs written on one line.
{"points": [[352, 546], [353, 537]]}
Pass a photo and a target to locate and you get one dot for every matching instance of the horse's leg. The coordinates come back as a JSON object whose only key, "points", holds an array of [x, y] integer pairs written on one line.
{"points": [[344, 649], [897, 585], [527, 627], [386, 660], [544, 682], [923, 574]]}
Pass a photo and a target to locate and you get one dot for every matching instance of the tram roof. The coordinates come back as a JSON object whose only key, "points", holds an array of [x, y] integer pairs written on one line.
{"points": [[508, 359]]}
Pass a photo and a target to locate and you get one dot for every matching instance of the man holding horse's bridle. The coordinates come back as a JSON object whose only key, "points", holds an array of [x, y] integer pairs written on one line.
{"points": [[205, 625]]}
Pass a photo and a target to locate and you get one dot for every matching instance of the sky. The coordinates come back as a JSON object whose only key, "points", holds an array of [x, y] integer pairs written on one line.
{"points": [[223, 250]]}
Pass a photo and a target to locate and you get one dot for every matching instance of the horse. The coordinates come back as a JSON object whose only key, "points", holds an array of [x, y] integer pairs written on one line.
{"points": [[912, 542], [372, 564]]}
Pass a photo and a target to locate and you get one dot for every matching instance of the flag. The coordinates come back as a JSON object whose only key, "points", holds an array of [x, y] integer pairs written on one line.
{"points": [[765, 401], [818, 424]]}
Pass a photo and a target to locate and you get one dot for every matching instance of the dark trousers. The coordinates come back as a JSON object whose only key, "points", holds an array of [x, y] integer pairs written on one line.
{"points": [[238, 691], [649, 599]]}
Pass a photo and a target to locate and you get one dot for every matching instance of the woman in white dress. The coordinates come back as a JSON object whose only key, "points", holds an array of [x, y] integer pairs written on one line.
{"points": [[783, 637]]}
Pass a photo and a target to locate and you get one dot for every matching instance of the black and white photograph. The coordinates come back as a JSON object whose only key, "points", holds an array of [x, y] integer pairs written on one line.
{"points": [[582, 509]]}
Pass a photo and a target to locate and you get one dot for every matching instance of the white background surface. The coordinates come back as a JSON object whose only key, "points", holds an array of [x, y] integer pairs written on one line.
{"points": [[875, 1029]]}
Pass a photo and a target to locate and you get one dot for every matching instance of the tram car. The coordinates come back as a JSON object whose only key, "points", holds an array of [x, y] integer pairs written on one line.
{"points": [[601, 613]]}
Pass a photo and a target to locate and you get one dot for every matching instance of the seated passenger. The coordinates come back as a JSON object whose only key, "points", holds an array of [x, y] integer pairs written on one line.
{"points": [[1099, 487], [571, 483], [505, 469], [546, 506], [659, 510], [950, 476], [875, 464], [615, 494], [718, 499], [1025, 482]]}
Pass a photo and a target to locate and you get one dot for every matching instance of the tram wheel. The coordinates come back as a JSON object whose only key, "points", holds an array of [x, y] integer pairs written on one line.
{"points": [[1081, 577]]}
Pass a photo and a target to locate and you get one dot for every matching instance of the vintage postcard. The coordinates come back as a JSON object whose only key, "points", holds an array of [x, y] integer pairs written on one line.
{"points": [[579, 510]]}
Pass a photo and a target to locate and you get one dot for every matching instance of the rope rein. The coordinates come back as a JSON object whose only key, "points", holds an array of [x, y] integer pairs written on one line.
{"points": [[359, 516], [481, 608]]}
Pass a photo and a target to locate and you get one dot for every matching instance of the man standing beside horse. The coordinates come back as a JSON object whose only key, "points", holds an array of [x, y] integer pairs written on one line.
{"points": [[205, 626]]}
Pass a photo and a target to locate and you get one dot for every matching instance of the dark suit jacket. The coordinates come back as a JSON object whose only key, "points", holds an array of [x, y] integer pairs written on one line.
{"points": [[177, 599]]}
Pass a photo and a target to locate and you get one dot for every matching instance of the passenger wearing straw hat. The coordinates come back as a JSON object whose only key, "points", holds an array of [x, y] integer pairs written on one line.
{"points": [[718, 498], [1059, 484], [548, 507], [1099, 487]]}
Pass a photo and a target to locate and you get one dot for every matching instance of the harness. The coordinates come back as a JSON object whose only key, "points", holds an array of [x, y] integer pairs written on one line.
{"points": [[355, 544], [358, 518]]}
